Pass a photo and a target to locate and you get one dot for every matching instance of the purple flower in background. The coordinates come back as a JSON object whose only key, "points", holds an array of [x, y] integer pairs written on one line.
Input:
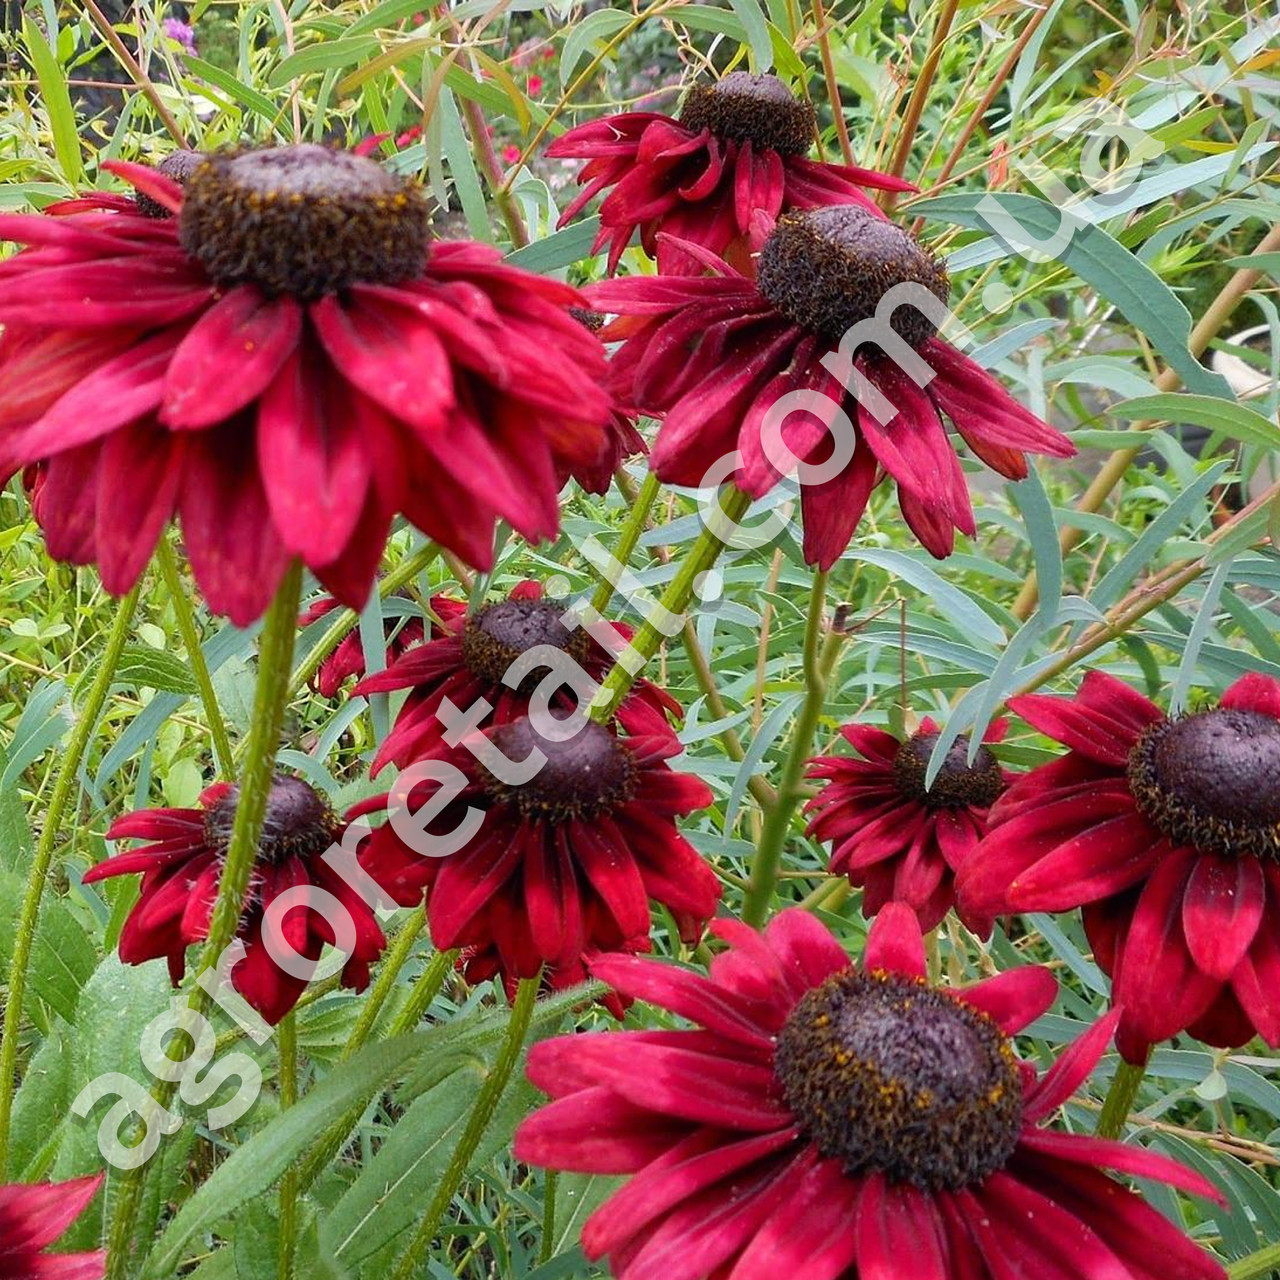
{"points": [[183, 32]]}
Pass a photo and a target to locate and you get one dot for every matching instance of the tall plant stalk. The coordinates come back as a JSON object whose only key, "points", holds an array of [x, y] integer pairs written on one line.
{"points": [[275, 656]]}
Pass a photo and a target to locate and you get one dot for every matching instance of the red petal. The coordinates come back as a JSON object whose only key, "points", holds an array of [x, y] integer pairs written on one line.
{"points": [[229, 357], [314, 463], [894, 944], [1221, 911]]}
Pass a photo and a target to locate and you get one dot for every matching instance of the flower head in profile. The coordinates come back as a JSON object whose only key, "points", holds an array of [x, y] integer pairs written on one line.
{"points": [[470, 659], [897, 838], [181, 867], [559, 865], [32, 1217], [272, 349], [718, 176], [1166, 832], [821, 1121], [713, 356], [347, 659]]}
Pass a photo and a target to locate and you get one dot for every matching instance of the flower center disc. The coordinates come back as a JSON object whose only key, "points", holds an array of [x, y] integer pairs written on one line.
{"points": [[760, 110], [827, 269], [886, 1074], [496, 635], [1212, 780], [958, 785], [586, 775], [303, 221], [298, 822]]}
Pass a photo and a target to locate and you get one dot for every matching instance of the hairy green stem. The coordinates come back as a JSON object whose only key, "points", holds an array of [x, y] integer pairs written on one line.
{"points": [[548, 1217], [629, 537], [1120, 1098], [275, 655], [819, 658], [648, 639], [38, 874], [195, 656], [287, 1047], [486, 1102]]}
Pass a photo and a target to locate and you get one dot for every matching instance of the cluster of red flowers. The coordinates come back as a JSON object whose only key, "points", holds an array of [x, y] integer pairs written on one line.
{"points": [[1164, 832], [269, 347]]}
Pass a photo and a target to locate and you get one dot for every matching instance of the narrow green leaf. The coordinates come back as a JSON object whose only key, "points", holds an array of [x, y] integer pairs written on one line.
{"points": [[757, 31], [1098, 259], [583, 34], [1268, 262], [57, 102], [1238, 421], [559, 250], [320, 57], [236, 90]]}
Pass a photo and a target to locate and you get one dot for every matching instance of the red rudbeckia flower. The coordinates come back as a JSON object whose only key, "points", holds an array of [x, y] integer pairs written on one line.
{"points": [[897, 839], [347, 659], [32, 1218], [180, 872], [713, 355], [1167, 833], [718, 176], [285, 363], [469, 660], [823, 1121], [559, 867]]}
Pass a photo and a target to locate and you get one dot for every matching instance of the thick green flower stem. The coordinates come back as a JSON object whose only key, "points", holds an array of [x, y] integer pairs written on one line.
{"points": [[195, 656], [1120, 1098], [1256, 1266], [275, 656], [346, 619], [648, 639], [819, 658], [486, 1103], [287, 1047], [630, 536], [548, 1216], [37, 876]]}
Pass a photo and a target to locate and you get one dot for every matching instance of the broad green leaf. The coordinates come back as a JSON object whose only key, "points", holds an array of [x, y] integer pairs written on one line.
{"points": [[462, 166], [62, 955], [391, 1190], [148, 668], [1118, 578]]}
